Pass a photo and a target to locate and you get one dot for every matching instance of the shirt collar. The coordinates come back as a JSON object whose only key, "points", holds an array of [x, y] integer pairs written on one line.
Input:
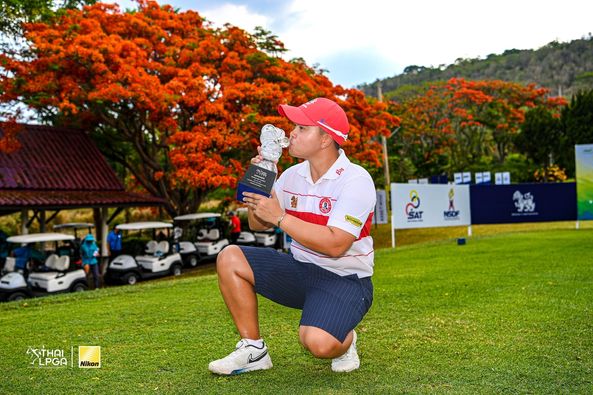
{"points": [[332, 173]]}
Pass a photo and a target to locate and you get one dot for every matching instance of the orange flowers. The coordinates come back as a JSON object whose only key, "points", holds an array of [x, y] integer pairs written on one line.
{"points": [[457, 123], [178, 103]]}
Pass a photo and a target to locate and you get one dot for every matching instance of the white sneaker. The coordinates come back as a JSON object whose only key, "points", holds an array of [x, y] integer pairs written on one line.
{"points": [[349, 361], [245, 358]]}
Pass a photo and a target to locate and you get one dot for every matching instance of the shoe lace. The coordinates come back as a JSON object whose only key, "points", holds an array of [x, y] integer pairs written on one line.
{"points": [[237, 348], [240, 344]]}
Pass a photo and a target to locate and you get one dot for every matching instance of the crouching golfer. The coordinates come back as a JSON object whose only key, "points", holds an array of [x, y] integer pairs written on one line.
{"points": [[325, 204]]}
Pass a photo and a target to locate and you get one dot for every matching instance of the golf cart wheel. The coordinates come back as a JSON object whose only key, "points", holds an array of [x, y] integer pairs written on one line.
{"points": [[79, 287], [17, 296], [193, 260], [176, 270], [131, 278]]}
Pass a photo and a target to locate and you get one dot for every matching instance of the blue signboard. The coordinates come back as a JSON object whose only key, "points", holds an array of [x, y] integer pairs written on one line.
{"points": [[497, 204]]}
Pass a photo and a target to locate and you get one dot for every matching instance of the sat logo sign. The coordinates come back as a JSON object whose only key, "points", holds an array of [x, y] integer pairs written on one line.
{"points": [[414, 215], [421, 206]]}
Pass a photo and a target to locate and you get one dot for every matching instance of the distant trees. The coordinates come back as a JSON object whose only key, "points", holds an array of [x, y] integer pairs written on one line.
{"points": [[548, 137], [540, 136], [460, 125], [576, 123]]}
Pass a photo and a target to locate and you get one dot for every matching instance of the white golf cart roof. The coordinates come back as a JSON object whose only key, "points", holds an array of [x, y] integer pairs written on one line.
{"points": [[75, 225], [144, 225], [39, 237], [191, 217]]}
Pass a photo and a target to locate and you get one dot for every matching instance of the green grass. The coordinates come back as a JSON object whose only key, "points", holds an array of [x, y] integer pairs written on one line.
{"points": [[404, 237], [503, 314]]}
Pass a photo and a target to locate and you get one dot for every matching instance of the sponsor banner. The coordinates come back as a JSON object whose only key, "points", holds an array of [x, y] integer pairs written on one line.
{"points": [[497, 204], [498, 178], [422, 206], [584, 177], [486, 177], [467, 177], [506, 178], [483, 177], [380, 216]]}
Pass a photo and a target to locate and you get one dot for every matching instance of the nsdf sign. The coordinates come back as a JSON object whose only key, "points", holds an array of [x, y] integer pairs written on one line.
{"points": [[423, 206], [496, 204]]}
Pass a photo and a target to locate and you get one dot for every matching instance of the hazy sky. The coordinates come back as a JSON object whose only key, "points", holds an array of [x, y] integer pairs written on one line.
{"points": [[360, 41]]}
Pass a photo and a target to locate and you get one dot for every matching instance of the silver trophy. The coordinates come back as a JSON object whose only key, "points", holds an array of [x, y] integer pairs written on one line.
{"points": [[272, 140], [260, 177]]}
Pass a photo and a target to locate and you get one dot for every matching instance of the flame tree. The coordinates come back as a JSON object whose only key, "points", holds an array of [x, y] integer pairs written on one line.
{"points": [[174, 100], [456, 124]]}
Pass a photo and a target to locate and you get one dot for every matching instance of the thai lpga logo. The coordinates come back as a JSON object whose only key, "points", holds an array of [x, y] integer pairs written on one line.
{"points": [[451, 214], [47, 357], [413, 214]]}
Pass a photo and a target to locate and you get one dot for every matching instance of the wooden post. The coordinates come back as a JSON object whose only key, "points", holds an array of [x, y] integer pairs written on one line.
{"points": [[24, 220], [392, 232]]}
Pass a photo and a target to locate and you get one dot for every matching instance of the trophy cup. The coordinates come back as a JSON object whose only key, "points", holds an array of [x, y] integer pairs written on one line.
{"points": [[260, 177]]}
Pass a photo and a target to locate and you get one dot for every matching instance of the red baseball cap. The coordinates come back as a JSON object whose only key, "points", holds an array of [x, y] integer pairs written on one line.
{"points": [[319, 112]]}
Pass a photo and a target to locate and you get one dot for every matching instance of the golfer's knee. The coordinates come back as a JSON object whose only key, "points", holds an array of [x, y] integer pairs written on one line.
{"points": [[227, 258], [319, 346], [231, 261]]}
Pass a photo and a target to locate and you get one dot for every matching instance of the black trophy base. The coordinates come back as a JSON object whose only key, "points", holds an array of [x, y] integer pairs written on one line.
{"points": [[256, 180]]}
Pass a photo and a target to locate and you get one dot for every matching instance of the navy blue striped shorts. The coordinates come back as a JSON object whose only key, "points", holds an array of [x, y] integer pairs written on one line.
{"points": [[331, 302]]}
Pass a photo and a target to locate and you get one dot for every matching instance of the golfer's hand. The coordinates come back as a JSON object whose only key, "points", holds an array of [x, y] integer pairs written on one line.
{"points": [[266, 209], [258, 158]]}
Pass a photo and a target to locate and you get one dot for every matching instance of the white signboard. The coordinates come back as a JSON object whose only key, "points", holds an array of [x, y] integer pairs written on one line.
{"points": [[380, 216], [486, 177], [478, 178], [506, 178], [467, 177], [458, 177], [498, 178], [422, 206], [423, 181]]}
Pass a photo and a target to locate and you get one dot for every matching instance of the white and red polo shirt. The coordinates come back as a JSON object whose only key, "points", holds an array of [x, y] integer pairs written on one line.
{"points": [[344, 197]]}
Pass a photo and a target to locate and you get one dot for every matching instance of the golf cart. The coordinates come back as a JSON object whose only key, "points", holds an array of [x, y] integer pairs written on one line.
{"points": [[57, 274], [265, 238], [207, 231], [246, 238], [75, 227], [158, 258]]}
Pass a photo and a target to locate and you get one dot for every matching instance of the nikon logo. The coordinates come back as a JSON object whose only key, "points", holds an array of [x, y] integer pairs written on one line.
{"points": [[89, 356]]}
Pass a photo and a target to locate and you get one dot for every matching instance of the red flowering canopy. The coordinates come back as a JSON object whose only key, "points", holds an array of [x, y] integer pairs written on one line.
{"points": [[174, 100]]}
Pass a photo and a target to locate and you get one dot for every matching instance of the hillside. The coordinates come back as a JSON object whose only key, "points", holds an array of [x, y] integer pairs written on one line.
{"points": [[564, 68]]}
